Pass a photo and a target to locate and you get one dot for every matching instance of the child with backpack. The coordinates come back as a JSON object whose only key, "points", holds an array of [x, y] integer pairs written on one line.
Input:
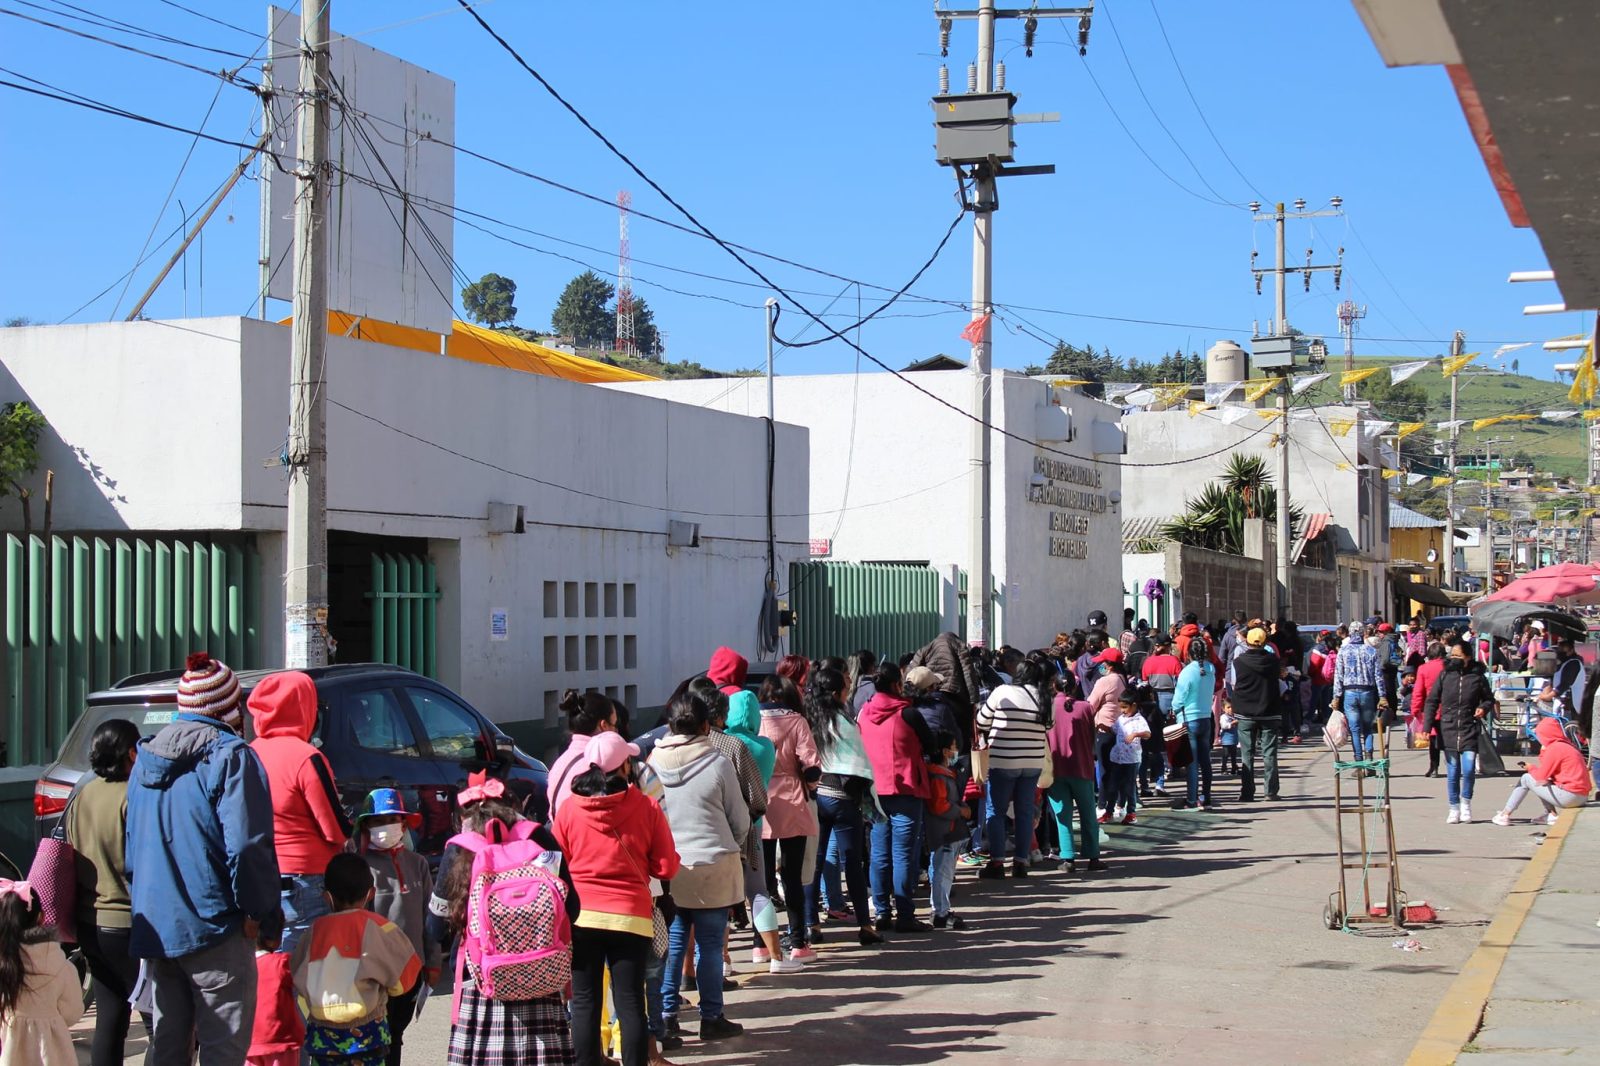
{"points": [[946, 826], [402, 882], [616, 839], [346, 968], [507, 1013], [40, 995]]}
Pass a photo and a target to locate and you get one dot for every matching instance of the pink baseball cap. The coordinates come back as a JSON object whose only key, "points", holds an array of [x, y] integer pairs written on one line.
{"points": [[609, 751]]}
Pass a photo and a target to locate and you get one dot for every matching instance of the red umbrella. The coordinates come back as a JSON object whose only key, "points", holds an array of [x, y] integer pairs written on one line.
{"points": [[1562, 583]]}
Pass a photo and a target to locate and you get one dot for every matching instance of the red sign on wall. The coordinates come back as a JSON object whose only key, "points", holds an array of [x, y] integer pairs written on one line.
{"points": [[821, 546]]}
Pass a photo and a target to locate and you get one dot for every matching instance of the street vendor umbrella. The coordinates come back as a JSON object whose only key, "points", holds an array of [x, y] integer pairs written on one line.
{"points": [[1504, 618], [1564, 583]]}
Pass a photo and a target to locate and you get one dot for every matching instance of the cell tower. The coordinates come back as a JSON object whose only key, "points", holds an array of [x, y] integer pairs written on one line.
{"points": [[1349, 314], [625, 338]]}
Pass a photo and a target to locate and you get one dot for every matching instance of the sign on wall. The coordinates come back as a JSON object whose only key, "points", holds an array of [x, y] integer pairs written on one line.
{"points": [[1072, 493]]}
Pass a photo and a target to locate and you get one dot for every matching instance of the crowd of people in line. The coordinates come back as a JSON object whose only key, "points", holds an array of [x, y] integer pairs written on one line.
{"points": [[228, 897]]}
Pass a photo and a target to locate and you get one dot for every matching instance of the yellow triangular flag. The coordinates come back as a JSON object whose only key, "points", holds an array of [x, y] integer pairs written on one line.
{"points": [[1270, 412], [1485, 423], [1387, 474], [1350, 377], [1408, 428], [1455, 363], [1167, 395], [1196, 406], [1590, 416], [1067, 383], [1340, 427], [1254, 390], [1343, 466], [1445, 480], [1584, 381]]}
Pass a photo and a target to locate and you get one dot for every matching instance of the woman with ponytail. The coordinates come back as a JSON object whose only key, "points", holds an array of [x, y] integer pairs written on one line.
{"points": [[40, 997]]}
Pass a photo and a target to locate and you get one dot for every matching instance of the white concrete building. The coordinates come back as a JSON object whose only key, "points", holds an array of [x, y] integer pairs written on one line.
{"points": [[177, 426], [1326, 478], [890, 471]]}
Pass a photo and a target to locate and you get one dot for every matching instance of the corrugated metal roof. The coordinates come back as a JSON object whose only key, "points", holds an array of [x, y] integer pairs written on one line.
{"points": [[1405, 518], [1135, 530]]}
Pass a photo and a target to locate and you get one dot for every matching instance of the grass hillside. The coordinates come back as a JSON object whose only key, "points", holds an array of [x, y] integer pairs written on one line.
{"points": [[1558, 447]]}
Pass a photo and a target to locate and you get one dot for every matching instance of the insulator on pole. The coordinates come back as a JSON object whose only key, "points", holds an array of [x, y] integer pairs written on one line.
{"points": [[972, 77], [1028, 29], [1000, 76], [944, 80], [944, 36]]}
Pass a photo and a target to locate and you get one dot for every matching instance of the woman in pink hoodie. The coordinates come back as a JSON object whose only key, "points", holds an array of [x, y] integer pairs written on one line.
{"points": [[789, 821], [1558, 777]]}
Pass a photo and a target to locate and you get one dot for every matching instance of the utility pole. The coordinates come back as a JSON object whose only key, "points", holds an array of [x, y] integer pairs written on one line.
{"points": [[975, 131], [306, 577], [1457, 344], [1278, 357]]}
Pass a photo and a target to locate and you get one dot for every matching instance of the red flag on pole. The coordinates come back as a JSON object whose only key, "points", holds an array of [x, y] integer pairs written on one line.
{"points": [[976, 330]]}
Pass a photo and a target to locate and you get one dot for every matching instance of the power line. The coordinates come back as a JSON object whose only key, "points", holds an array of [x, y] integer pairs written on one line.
{"points": [[230, 77], [107, 22]]}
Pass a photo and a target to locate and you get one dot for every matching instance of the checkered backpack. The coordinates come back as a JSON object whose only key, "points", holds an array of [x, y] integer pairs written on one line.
{"points": [[517, 941]]}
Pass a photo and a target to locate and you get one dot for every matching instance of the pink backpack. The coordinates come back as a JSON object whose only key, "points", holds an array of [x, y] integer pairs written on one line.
{"points": [[517, 940]]}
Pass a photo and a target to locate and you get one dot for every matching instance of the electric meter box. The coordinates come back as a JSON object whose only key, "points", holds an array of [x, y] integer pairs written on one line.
{"points": [[1272, 353], [973, 128]]}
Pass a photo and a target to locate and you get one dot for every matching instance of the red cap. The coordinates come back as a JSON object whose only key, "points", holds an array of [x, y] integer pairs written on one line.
{"points": [[1385, 627], [1110, 655]]}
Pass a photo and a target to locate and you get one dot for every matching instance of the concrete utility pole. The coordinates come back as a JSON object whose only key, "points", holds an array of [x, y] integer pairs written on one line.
{"points": [[306, 578], [988, 77], [1458, 343], [1283, 367]]}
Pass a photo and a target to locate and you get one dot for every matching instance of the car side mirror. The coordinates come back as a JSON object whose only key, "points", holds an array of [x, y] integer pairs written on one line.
{"points": [[505, 751]]}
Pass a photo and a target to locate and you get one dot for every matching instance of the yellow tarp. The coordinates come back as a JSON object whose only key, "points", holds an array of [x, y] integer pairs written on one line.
{"points": [[478, 345]]}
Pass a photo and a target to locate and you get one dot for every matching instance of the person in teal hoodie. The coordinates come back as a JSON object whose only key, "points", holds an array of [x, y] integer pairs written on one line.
{"points": [[744, 725], [1191, 704]]}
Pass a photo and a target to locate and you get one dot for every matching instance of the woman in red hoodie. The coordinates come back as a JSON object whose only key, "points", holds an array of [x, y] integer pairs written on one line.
{"points": [[897, 741], [615, 839], [1558, 776], [309, 826]]}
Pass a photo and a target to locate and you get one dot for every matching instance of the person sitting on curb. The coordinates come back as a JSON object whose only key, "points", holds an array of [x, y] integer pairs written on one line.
{"points": [[1557, 777]]}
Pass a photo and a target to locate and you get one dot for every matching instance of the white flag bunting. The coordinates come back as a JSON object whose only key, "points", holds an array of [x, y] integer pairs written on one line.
{"points": [[1302, 382], [1401, 371]]}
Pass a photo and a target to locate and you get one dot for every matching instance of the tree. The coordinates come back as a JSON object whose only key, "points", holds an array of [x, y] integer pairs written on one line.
{"points": [[1405, 402], [1215, 518], [491, 300], [584, 313], [645, 335], [20, 426]]}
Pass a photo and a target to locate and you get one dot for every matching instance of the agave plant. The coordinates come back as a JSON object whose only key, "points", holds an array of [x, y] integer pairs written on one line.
{"points": [[1215, 518]]}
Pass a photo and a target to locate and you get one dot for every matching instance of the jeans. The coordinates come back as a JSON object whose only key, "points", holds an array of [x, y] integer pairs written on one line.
{"points": [[1120, 788], [1011, 790], [1361, 712], [1552, 796], [1259, 735], [626, 955], [303, 903], [1064, 794], [209, 995], [1199, 768], [839, 832], [1459, 768], [829, 881], [709, 926], [654, 971], [794, 893], [112, 972], [896, 846], [941, 875]]}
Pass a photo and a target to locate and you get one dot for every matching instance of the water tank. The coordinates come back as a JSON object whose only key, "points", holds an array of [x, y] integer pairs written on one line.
{"points": [[1225, 361]]}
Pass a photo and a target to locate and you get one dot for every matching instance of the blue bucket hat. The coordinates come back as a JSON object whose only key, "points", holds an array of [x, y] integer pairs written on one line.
{"points": [[384, 802]]}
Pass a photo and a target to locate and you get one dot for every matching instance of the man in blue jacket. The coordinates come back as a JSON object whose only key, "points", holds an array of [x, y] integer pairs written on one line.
{"points": [[201, 869]]}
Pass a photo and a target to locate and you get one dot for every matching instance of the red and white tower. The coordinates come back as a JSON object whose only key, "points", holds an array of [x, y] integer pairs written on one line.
{"points": [[625, 338]]}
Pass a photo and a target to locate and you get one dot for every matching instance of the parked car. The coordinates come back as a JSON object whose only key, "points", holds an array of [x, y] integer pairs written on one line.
{"points": [[1460, 623], [378, 725]]}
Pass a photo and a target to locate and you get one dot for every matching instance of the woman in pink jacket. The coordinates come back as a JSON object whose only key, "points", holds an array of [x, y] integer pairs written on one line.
{"points": [[789, 821]]}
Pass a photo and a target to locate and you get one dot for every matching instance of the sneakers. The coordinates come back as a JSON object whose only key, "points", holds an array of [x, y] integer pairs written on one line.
{"points": [[760, 956], [1068, 866], [973, 858], [1466, 812], [1131, 819], [804, 953], [1551, 819], [1105, 816], [789, 965], [948, 921], [719, 1029], [1036, 857], [994, 871], [1453, 817], [1500, 818]]}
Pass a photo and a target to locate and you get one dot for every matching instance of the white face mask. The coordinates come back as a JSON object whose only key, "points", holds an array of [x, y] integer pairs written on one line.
{"points": [[386, 837]]}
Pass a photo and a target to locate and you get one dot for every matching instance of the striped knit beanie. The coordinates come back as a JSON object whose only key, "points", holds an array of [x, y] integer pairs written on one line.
{"points": [[208, 687]]}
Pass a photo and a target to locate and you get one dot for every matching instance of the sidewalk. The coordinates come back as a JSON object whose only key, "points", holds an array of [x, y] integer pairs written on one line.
{"points": [[1545, 1004]]}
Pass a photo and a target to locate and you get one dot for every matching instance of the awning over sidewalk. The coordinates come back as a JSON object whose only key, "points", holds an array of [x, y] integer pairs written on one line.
{"points": [[1432, 595]]}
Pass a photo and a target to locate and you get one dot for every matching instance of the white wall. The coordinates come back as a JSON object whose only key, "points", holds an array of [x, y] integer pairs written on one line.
{"points": [[890, 472], [188, 418]]}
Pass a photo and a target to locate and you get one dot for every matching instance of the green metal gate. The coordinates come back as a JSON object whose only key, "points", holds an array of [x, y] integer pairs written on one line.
{"points": [[841, 607], [82, 614], [405, 610]]}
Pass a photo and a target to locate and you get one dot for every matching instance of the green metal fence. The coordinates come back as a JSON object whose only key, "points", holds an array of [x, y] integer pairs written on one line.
{"points": [[405, 609], [80, 614], [841, 607]]}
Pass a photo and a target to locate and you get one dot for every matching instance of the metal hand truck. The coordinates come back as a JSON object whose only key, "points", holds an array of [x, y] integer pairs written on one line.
{"points": [[1377, 846]]}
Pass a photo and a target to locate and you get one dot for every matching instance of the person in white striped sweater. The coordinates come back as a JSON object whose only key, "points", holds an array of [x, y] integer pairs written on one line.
{"points": [[1015, 719]]}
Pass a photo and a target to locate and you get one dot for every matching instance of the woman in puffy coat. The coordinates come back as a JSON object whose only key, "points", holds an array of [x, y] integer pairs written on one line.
{"points": [[1460, 700], [789, 820]]}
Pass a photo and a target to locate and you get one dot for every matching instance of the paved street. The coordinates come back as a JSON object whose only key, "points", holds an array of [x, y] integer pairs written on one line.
{"points": [[1203, 944]]}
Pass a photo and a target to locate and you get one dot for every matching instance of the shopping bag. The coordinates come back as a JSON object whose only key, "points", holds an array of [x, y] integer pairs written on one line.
{"points": [[1336, 734]]}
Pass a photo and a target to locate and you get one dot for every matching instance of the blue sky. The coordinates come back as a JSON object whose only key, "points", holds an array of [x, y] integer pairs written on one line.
{"points": [[805, 131]]}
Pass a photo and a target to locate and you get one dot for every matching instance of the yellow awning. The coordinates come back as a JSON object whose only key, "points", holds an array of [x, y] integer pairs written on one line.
{"points": [[478, 345]]}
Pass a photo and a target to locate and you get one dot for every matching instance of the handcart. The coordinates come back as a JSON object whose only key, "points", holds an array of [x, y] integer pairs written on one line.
{"points": [[1381, 901]]}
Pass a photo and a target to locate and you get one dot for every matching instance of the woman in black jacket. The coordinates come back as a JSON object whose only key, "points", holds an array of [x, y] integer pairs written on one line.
{"points": [[1461, 699]]}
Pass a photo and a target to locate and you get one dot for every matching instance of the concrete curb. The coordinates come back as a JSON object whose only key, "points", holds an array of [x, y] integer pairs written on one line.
{"points": [[1460, 1013]]}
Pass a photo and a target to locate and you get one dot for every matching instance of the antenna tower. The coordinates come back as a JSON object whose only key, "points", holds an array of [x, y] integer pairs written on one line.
{"points": [[625, 338], [1350, 313]]}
